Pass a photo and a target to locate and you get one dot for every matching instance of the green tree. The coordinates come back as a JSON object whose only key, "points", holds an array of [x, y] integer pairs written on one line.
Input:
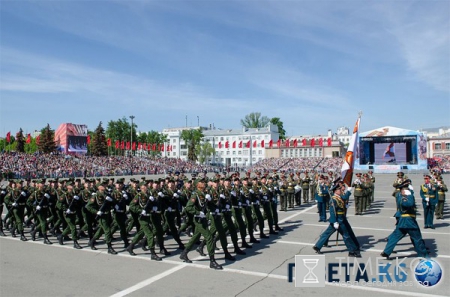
{"points": [[277, 122], [192, 139], [204, 151], [98, 145], [20, 141], [121, 130], [47, 142], [255, 120]]}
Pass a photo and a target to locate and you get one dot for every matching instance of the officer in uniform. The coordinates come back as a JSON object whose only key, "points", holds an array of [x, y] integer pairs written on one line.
{"points": [[441, 188], [305, 187], [39, 198], [358, 186], [407, 223], [372, 187], [428, 192], [290, 192], [338, 221], [282, 186], [321, 193]]}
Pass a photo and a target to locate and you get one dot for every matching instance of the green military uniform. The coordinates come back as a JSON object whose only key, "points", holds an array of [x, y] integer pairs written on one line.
{"points": [[68, 201], [305, 188], [16, 200], [39, 198], [358, 187], [442, 188], [290, 191], [282, 186]]}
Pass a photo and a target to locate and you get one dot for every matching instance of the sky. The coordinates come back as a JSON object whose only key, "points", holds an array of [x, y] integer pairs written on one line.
{"points": [[314, 64]]}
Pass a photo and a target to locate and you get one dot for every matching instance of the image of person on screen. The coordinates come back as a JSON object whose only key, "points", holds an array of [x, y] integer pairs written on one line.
{"points": [[389, 153]]}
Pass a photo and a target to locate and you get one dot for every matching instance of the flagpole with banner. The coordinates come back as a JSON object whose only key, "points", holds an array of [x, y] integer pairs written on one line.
{"points": [[349, 159]]}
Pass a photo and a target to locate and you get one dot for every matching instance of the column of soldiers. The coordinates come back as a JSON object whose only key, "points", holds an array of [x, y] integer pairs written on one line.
{"points": [[364, 187], [95, 208]]}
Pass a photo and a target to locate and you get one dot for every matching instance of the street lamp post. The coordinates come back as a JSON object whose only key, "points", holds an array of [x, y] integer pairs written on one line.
{"points": [[131, 132]]}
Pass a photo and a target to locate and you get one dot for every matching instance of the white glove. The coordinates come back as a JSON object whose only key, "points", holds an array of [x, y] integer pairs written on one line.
{"points": [[336, 225], [179, 192], [94, 194], [251, 191], [242, 191], [99, 213], [202, 214], [222, 196], [257, 202], [124, 192], [155, 208], [410, 188], [169, 208], [109, 199], [260, 190], [151, 198], [407, 192], [233, 193], [275, 188], [227, 206], [125, 196], [116, 207], [208, 197], [143, 212], [68, 211], [76, 197], [175, 195], [217, 210], [427, 199], [265, 197], [248, 202], [3, 192], [160, 194], [23, 193], [239, 203], [47, 196], [350, 189], [38, 207], [14, 204]]}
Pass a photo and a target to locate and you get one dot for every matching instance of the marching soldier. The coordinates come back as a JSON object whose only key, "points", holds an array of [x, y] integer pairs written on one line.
{"points": [[282, 186], [39, 198], [69, 204], [171, 201], [441, 188], [305, 187], [372, 186], [428, 192], [237, 210], [2, 201], [120, 207], [290, 191], [358, 186], [298, 189], [16, 201]]}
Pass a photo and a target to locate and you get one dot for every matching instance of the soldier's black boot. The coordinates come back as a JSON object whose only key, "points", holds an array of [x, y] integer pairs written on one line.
{"points": [[22, 236], [163, 250], [130, 249], [61, 239], [253, 239], [81, 234], [278, 228], [126, 243], [92, 244], [154, 256], [13, 231], [1, 232], [76, 245], [111, 250], [228, 256], [245, 244], [184, 256], [33, 235], [213, 264], [199, 249], [46, 240], [143, 244], [237, 250], [180, 245], [261, 235], [272, 231]]}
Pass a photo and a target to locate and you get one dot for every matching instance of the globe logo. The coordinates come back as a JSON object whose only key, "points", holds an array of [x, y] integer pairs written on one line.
{"points": [[428, 272]]}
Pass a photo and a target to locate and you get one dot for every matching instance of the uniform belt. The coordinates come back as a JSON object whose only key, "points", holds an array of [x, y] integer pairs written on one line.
{"points": [[408, 215], [119, 211], [441, 192], [431, 196], [340, 212], [21, 204], [145, 215], [173, 210], [236, 206]]}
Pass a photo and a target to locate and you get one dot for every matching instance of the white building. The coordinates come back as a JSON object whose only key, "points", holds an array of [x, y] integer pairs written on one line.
{"points": [[233, 147]]}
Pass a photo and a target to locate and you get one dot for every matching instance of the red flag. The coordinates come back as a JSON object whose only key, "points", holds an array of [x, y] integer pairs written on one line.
{"points": [[28, 138], [128, 145], [133, 146], [287, 143], [271, 143], [313, 142], [262, 143], [227, 144], [295, 142], [168, 148], [117, 144], [109, 141], [234, 144], [154, 147], [321, 141], [248, 144], [162, 147], [349, 160], [144, 146], [254, 143], [220, 144], [329, 141], [122, 145], [139, 146], [304, 142], [88, 139], [8, 137], [38, 139], [240, 144], [279, 143]]}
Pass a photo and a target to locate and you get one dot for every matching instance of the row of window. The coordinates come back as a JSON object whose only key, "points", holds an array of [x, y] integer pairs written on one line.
{"points": [[438, 146], [308, 152]]}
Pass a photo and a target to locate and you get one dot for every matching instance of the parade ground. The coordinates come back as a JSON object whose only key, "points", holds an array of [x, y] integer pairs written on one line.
{"points": [[34, 269]]}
